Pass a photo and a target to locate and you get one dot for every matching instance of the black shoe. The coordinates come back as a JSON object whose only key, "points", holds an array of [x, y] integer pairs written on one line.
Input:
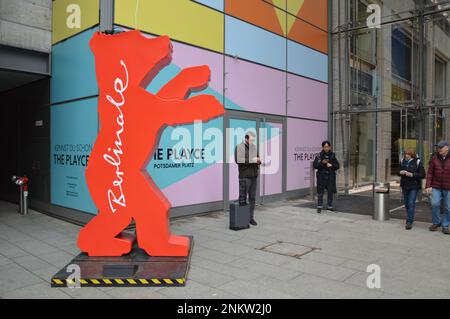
{"points": [[331, 209], [446, 231], [408, 226], [253, 222], [434, 227], [319, 210]]}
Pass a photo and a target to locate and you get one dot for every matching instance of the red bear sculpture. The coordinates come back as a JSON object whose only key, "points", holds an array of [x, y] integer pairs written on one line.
{"points": [[131, 121]]}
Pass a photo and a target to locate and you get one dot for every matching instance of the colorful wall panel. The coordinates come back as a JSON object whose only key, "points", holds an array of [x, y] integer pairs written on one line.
{"points": [[175, 180], [265, 56], [215, 4], [299, 23], [182, 20], [307, 98], [307, 34], [304, 140], [70, 17], [259, 13], [73, 131], [193, 180], [73, 69], [255, 88], [271, 149], [313, 11], [307, 62], [252, 43]]}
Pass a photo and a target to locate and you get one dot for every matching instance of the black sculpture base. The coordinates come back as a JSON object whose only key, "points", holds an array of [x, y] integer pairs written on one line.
{"points": [[136, 269]]}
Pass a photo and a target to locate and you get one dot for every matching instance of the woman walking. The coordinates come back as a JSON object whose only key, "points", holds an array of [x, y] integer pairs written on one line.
{"points": [[326, 164], [412, 172]]}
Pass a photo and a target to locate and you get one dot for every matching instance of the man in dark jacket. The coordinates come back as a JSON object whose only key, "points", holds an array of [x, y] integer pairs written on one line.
{"points": [[412, 173], [247, 158], [326, 165], [438, 184]]}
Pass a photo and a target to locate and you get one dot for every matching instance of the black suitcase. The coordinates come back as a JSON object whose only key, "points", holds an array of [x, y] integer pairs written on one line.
{"points": [[239, 216]]}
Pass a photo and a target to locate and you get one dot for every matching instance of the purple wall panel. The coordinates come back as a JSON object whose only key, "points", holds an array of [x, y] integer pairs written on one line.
{"points": [[304, 140], [271, 181], [255, 88], [186, 56], [201, 187], [307, 98]]}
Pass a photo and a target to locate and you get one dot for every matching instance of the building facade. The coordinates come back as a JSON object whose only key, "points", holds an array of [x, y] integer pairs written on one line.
{"points": [[390, 84], [269, 68], [371, 76]]}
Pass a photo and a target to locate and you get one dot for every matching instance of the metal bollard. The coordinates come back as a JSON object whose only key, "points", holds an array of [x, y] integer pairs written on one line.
{"points": [[22, 182], [381, 193]]}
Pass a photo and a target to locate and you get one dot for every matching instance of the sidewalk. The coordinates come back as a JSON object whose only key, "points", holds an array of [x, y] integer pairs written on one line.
{"points": [[335, 251]]}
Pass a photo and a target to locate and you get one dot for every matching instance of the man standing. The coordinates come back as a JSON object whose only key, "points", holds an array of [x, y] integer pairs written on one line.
{"points": [[326, 165], [438, 184], [247, 158]]}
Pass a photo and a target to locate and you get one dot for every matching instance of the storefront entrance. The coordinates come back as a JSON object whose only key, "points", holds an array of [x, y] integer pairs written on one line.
{"points": [[270, 140]]}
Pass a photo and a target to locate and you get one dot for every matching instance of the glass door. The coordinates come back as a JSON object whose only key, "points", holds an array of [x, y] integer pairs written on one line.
{"points": [[271, 152], [236, 131], [269, 142]]}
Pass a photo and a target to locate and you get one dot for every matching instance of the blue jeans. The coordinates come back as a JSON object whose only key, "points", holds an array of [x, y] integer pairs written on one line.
{"points": [[410, 197], [437, 197]]}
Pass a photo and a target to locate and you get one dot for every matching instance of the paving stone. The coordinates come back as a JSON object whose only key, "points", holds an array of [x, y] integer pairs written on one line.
{"points": [[91, 293], [321, 287], [215, 255], [227, 269], [31, 263], [320, 269], [324, 258], [228, 264], [208, 277], [11, 251], [192, 290], [39, 291], [279, 273], [57, 258], [13, 276], [250, 290], [5, 261]]}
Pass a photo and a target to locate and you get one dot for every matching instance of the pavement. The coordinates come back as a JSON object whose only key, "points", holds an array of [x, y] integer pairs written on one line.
{"points": [[358, 202], [293, 253]]}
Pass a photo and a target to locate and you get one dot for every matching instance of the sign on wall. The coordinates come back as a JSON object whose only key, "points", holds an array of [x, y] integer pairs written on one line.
{"points": [[73, 131]]}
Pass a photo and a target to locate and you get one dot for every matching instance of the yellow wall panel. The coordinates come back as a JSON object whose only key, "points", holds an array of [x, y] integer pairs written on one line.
{"points": [[278, 3], [294, 6], [182, 20], [87, 11]]}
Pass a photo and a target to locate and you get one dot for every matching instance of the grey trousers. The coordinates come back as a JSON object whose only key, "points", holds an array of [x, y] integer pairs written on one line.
{"points": [[247, 187]]}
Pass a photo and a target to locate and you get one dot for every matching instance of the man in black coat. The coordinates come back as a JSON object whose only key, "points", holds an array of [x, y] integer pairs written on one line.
{"points": [[326, 165], [247, 158]]}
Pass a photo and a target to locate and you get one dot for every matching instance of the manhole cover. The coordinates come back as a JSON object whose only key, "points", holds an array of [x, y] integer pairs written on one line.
{"points": [[288, 249]]}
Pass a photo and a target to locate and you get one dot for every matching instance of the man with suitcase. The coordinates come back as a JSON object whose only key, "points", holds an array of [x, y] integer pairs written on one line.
{"points": [[247, 157]]}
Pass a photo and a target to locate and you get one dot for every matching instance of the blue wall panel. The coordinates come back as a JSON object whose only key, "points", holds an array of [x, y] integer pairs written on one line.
{"points": [[74, 128], [216, 4], [307, 62], [73, 69], [255, 44]]}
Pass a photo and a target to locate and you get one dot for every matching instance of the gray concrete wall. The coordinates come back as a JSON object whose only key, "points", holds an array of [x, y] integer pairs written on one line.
{"points": [[26, 24]]}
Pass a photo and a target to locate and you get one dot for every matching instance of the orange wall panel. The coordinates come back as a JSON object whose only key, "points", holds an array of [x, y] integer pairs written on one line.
{"points": [[308, 35], [259, 13], [315, 12]]}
